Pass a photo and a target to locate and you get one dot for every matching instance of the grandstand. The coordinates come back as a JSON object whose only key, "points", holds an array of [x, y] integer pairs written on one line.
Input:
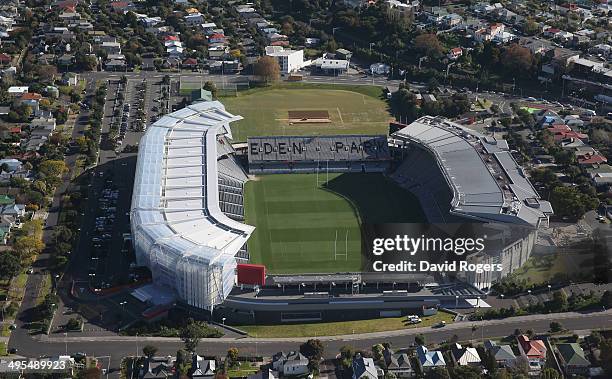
{"points": [[187, 204], [294, 154], [484, 180], [460, 175]]}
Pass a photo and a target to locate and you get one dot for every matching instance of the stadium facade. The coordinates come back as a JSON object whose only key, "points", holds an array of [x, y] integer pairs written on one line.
{"points": [[187, 204]]}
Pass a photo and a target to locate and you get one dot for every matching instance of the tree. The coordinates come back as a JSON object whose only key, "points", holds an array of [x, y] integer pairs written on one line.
{"points": [[73, 324], [605, 356], [149, 351], [46, 73], [555, 327], [28, 246], [569, 202], [419, 339], [465, 372], [212, 87], [312, 349], [437, 373], [549, 373], [559, 301], [517, 60], [52, 168], [232, 354], [267, 69], [9, 265], [191, 335], [429, 45]]}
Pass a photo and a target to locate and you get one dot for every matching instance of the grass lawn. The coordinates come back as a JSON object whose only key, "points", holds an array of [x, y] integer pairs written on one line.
{"points": [[541, 269], [352, 110], [3, 349], [4, 330], [299, 225], [341, 327], [245, 369]]}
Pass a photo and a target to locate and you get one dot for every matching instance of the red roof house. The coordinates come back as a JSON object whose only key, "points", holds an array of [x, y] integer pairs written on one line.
{"points": [[531, 349]]}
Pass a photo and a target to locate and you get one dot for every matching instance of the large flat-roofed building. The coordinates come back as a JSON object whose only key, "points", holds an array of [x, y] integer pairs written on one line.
{"points": [[341, 153], [288, 60], [185, 176]]}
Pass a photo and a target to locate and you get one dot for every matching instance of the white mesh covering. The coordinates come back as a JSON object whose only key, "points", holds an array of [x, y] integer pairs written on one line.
{"points": [[179, 230]]}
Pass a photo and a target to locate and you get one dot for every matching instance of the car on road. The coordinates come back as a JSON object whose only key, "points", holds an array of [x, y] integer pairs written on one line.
{"points": [[441, 324], [30, 270]]}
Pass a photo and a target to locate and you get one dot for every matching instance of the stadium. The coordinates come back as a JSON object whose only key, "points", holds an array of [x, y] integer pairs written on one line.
{"points": [[202, 208]]}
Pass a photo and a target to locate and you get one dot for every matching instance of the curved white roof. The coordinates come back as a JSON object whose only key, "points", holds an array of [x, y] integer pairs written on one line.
{"points": [[175, 201]]}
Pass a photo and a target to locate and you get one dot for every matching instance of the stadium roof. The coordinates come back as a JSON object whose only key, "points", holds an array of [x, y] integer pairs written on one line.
{"points": [[176, 197], [486, 181]]}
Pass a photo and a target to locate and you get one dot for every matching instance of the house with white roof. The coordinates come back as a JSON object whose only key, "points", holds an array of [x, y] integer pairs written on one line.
{"points": [[429, 359], [465, 356]]}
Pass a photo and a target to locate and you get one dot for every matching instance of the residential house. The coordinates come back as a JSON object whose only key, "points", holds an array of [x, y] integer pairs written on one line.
{"points": [[31, 99], [364, 368], [157, 368], [454, 53], [15, 210], [190, 63], [111, 47], [293, 363], [429, 359], [208, 27], [217, 38], [70, 79], [202, 368], [591, 159], [572, 359], [194, 19], [503, 354], [534, 351], [65, 60], [465, 356], [398, 364]]}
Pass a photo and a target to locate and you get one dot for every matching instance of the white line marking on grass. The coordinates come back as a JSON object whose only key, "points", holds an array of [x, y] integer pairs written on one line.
{"points": [[340, 114]]}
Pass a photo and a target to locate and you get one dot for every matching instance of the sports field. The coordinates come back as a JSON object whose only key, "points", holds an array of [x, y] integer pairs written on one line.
{"points": [[265, 112], [304, 227]]}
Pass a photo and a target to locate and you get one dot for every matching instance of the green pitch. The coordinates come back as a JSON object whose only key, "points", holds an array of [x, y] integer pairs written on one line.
{"points": [[265, 112], [302, 227]]}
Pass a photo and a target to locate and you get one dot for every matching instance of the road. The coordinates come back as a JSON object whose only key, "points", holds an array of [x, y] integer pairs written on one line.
{"points": [[118, 347]]}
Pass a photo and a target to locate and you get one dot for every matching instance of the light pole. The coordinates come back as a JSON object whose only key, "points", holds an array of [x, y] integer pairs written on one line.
{"points": [[456, 301], [223, 320], [66, 342], [334, 30], [371, 43]]}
